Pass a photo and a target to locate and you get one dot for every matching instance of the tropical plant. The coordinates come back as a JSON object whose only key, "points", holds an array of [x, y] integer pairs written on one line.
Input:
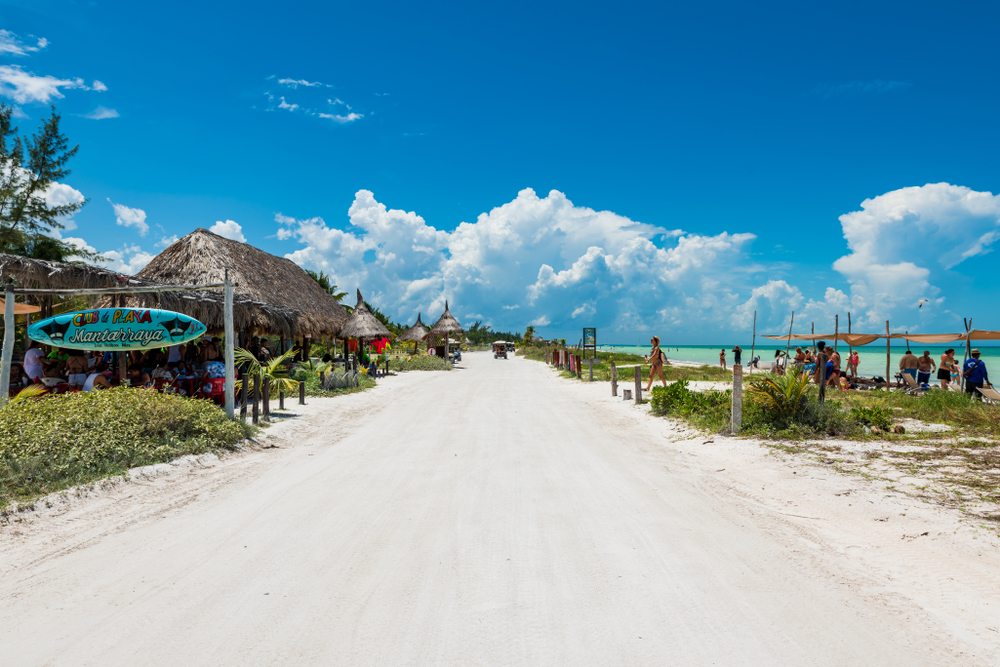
{"points": [[324, 282], [784, 396], [30, 391], [529, 335], [275, 369], [310, 366]]}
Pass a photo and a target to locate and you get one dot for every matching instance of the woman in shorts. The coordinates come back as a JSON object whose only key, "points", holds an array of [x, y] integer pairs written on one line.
{"points": [[947, 366], [656, 359]]}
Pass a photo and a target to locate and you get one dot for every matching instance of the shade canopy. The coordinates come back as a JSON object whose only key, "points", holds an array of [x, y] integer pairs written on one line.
{"points": [[20, 308], [850, 339], [447, 324], [864, 339], [362, 324], [415, 333]]}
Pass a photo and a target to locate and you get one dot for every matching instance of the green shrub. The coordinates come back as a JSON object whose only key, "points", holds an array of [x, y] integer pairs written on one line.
{"points": [[710, 410], [423, 362], [875, 416], [54, 442]]}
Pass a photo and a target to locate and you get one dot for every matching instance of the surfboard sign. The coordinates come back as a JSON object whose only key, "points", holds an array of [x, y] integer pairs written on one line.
{"points": [[116, 329]]}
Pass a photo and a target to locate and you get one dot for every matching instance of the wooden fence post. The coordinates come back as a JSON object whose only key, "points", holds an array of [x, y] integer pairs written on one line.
{"points": [[322, 379], [256, 398], [638, 385], [267, 398], [579, 373], [737, 412], [614, 379], [281, 396], [244, 391], [302, 392]]}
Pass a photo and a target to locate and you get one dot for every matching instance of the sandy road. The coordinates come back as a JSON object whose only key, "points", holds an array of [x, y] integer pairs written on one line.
{"points": [[495, 515]]}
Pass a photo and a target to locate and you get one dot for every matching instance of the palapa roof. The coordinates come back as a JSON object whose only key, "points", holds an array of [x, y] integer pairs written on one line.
{"points": [[414, 333], [272, 293], [447, 323], [362, 324], [44, 274]]}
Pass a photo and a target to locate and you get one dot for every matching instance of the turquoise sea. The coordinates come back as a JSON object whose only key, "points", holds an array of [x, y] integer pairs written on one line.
{"points": [[872, 357]]}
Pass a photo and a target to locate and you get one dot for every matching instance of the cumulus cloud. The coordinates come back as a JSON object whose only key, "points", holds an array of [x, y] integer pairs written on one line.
{"points": [[286, 105], [129, 259], [167, 241], [295, 83], [11, 44], [101, 113], [130, 217], [229, 230], [338, 118], [904, 243]]}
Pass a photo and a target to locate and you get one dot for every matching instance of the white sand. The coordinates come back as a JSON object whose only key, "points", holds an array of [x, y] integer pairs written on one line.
{"points": [[495, 515]]}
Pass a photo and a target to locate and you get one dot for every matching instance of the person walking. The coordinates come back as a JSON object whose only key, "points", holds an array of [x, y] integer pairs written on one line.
{"points": [[947, 366], [975, 375], [722, 359], [852, 363], [656, 359]]}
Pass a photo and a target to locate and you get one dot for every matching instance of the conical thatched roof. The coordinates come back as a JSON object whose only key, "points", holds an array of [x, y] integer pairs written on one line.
{"points": [[447, 323], [414, 333], [362, 324], [276, 294]]}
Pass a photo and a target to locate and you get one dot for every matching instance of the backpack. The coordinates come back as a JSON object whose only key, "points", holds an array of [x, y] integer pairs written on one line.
{"points": [[968, 371]]}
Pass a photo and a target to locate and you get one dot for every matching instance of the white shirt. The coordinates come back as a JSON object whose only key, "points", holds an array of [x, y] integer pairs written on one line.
{"points": [[32, 362], [89, 384], [173, 354]]}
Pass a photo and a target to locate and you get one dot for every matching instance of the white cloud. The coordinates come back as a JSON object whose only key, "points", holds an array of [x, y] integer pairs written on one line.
{"points": [[337, 118], [167, 241], [11, 44], [101, 113], [295, 83], [130, 217], [542, 321], [98, 86], [286, 105], [24, 87], [905, 242], [228, 229], [129, 259]]}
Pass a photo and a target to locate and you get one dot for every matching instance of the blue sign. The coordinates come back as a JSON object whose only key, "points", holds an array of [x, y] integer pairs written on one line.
{"points": [[116, 329]]}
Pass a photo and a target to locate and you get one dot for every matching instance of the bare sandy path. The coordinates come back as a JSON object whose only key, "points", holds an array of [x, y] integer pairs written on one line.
{"points": [[493, 515]]}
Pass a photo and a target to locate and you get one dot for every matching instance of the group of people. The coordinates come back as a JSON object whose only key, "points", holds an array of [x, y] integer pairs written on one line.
{"points": [[973, 371], [95, 369]]}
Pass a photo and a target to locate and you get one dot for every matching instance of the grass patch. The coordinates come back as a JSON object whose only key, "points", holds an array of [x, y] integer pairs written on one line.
{"points": [[51, 443], [315, 388]]}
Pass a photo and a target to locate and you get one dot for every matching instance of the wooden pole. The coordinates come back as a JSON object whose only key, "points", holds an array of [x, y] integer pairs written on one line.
{"points": [[614, 379], [302, 392], [850, 346], [244, 389], [266, 403], [789, 343], [887, 357], [230, 351], [737, 412], [968, 350], [281, 396], [8, 344], [753, 342], [638, 385], [256, 399], [836, 331]]}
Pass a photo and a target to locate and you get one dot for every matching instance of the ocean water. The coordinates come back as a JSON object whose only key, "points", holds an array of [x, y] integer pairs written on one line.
{"points": [[872, 357]]}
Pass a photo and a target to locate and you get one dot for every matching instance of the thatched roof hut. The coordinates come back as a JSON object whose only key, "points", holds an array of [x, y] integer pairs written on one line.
{"points": [[43, 274], [362, 324], [272, 294], [415, 333], [447, 324]]}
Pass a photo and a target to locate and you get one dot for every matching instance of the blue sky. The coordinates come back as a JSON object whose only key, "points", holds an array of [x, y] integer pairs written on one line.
{"points": [[730, 147]]}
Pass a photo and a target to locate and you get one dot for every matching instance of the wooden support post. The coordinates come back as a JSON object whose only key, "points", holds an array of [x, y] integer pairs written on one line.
{"points": [[322, 379], [737, 413], [267, 398], [591, 370], [230, 351], [788, 344], [850, 345], [579, 371], [887, 376], [256, 399], [244, 389], [836, 331], [753, 342], [302, 392], [281, 396], [638, 385], [8, 344]]}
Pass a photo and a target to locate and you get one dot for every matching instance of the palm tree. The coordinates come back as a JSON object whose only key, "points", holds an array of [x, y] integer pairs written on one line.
{"points": [[529, 335], [324, 281], [273, 369]]}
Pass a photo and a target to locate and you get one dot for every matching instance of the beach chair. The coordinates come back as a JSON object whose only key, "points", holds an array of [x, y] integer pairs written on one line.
{"points": [[990, 395], [911, 385]]}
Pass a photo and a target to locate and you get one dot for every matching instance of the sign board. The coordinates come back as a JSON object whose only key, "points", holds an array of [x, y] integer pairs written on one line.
{"points": [[590, 340], [116, 329]]}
